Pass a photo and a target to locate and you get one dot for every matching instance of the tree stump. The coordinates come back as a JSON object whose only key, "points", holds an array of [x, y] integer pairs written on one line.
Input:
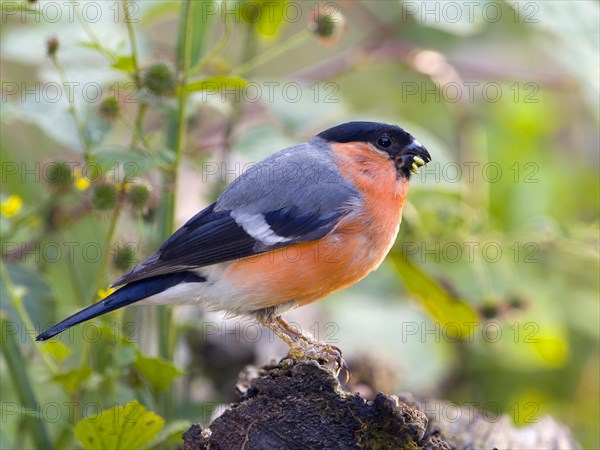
{"points": [[301, 405]]}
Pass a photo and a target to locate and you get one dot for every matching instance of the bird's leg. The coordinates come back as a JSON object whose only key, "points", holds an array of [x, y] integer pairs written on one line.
{"points": [[301, 345]]}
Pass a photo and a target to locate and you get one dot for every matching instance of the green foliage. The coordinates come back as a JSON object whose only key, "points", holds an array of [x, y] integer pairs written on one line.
{"points": [[123, 165], [177, 96], [36, 293], [126, 427], [438, 302], [125, 63], [72, 379], [157, 372], [171, 433], [267, 16], [56, 349], [216, 84]]}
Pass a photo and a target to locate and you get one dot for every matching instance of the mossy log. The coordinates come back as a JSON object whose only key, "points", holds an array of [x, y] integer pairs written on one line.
{"points": [[301, 405]]}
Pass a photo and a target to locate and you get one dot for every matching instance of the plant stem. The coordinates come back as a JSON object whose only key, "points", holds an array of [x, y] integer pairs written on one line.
{"points": [[137, 133], [136, 130], [181, 119], [16, 366], [132, 43], [219, 46], [75, 279], [99, 283], [112, 228], [176, 131], [85, 143], [110, 57]]}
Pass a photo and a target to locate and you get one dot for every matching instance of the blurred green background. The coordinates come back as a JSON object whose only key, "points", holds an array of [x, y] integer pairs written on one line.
{"points": [[122, 119]]}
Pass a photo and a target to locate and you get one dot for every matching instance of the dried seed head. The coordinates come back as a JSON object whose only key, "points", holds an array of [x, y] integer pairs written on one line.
{"points": [[104, 196], [52, 46], [328, 26], [109, 109], [139, 196], [159, 79]]}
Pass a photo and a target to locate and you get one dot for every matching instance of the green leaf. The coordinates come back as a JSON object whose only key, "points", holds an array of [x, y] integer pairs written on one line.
{"points": [[124, 63], [126, 427], [436, 300], [268, 16], [216, 84], [73, 378], [56, 349], [272, 18], [200, 19], [171, 432], [157, 372], [38, 298], [535, 345], [126, 354]]}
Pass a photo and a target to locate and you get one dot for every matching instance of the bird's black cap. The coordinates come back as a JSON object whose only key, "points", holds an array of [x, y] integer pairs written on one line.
{"points": [[364, 132], [394, 140]]}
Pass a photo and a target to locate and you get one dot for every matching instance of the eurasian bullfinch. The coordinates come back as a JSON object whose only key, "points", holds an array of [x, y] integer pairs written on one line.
{"points": [[302, 223]]}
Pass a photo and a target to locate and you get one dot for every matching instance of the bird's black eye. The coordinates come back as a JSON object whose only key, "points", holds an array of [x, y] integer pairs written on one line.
{"points": [[384, 141]]}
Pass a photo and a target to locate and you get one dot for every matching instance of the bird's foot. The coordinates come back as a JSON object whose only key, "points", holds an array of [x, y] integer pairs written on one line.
{"points": [[304, 347], [326, 354]]}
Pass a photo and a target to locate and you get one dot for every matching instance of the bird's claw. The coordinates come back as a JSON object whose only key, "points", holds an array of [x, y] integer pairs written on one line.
{"points": [[323, 353]]}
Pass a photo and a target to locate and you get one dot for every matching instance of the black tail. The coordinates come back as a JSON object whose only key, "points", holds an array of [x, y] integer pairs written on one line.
{"points": [[128, 294]]}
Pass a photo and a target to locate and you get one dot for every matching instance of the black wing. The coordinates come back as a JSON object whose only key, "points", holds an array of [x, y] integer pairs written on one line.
{"points": [[211, 237]]}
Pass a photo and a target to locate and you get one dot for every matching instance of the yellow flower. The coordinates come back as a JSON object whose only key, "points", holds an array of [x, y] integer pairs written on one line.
{"points": [[11, 206], [81, 182], [103, 293]]}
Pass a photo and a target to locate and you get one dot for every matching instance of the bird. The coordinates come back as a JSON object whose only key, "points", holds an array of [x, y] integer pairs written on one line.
{"points": [[304, 222]]}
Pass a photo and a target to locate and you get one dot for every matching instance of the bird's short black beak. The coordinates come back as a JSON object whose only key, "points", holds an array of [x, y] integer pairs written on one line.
{"points": [[413, 157]]}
